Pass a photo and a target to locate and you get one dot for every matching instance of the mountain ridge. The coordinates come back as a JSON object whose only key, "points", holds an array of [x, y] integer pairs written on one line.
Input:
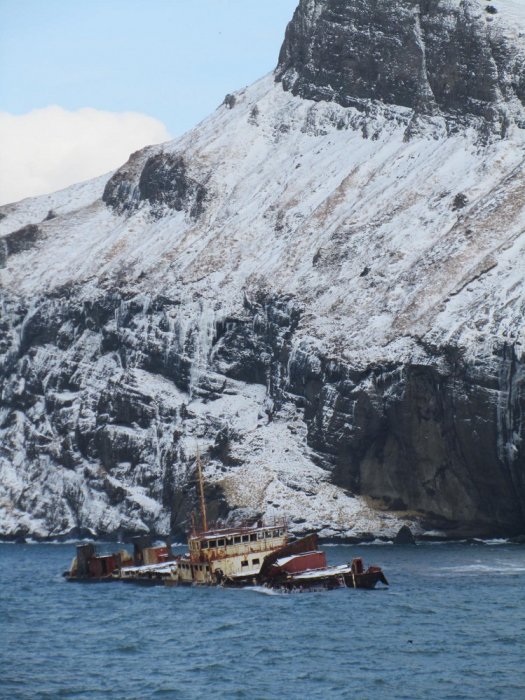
{"points": [[428, 56], [330, 309]]}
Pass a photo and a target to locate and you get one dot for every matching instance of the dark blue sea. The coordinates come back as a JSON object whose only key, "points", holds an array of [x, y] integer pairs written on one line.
{"points": [[451, 625]]}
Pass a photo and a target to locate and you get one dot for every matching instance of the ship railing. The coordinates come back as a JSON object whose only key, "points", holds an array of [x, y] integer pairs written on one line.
{"points": [[244, 525]]}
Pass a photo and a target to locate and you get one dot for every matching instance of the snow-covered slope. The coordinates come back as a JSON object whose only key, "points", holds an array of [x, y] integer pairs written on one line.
{"points": [[326, 296], [511, 14], [353, 202]]}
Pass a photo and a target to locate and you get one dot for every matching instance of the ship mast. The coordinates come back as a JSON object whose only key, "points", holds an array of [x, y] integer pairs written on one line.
{"points": [[201, 492]]}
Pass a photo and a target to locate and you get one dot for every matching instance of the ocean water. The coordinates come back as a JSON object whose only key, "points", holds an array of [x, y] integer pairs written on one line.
{"points": [[451, 625]]}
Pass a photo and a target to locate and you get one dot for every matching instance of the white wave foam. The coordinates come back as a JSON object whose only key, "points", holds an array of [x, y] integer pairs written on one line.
{"points": [[504, 569]]}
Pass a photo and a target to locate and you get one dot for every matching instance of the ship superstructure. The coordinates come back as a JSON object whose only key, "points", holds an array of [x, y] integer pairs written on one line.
{"points": [[230, 553], [234, 554]]}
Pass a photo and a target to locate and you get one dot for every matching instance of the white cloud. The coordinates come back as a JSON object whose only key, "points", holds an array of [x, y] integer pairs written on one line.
{"points": [[48, 149]]}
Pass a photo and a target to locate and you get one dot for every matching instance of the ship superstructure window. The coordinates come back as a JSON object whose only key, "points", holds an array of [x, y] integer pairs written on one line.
{"points": [[253, 537], [220, 543], [255, 561], [276, 533], [204, 545], [237, 539], [268, 533], [244, 563], [213, 543], [245, 538]]}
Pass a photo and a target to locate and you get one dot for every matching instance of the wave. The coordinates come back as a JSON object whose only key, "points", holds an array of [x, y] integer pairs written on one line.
{"points": [[373, 543], [88, 540], [505, 569], [263, 590]]}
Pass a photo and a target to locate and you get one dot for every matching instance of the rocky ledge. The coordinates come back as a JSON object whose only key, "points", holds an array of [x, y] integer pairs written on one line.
{"points": [[437, 57]]}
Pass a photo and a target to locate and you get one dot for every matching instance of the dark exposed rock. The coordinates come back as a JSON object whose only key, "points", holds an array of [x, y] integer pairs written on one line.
{"points": [[404, 536], [254, 115], [165, 181], [162, 181], [427, 56], [186, 503], [121, 192], [428, 439], [460, 201], [230, 101], [18, 241]]}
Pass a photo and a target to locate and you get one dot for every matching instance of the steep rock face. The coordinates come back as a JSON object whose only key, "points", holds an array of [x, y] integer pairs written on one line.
{"points": [[424, 437], [103, 412], [162, 181], [440, 440], [332, 312], [432, 57]]}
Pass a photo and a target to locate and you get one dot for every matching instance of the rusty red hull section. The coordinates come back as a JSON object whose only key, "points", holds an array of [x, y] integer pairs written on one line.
{"points": [[307, 570]]}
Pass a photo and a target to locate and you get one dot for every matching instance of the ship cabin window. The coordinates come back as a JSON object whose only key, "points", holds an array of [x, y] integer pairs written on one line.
{"points": [[245, 538], [276, 533], [237, 539], [213, 543], [253, 537], [255, 561], [220, 543], [229, 540], [260, 535], [244, 563], [268, 533], [204, 545]]}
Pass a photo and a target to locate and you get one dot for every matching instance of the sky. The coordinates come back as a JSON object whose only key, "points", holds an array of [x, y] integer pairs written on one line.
{"points": [[83, 83]]}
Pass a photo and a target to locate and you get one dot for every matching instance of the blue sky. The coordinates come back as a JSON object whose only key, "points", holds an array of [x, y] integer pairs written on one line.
{"points": [[170, 60]]}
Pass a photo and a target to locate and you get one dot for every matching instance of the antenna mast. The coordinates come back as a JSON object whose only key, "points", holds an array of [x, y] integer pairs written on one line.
{"points": [[201, 491]]}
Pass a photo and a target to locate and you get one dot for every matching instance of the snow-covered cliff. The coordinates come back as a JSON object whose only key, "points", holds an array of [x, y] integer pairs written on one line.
{"points": [[321, 285]]}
